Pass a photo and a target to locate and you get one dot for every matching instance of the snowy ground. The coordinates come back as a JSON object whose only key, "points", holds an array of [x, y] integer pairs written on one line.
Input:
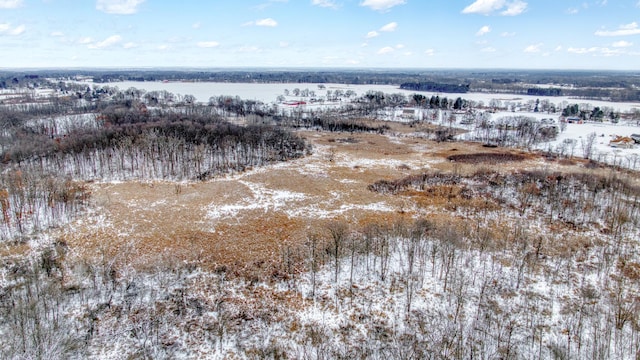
{"points": [[139, 279], [573, 139], [605, 132], [269, 92]]}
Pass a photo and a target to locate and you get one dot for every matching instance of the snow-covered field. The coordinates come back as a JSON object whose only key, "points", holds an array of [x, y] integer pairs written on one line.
{"points": [[605, 132], [574, 138], [269, 92]]}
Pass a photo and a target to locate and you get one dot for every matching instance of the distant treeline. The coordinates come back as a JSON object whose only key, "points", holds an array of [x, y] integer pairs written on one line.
{"points": [[601, 85], [544, 92], [435, 87]]}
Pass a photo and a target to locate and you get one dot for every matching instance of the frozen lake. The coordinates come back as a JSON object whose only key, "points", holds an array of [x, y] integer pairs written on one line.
{"points": [[269, 92]]}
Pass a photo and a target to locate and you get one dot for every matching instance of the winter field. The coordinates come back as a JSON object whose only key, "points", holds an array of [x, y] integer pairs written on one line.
{"points": [[373, 244], [303, 260]]}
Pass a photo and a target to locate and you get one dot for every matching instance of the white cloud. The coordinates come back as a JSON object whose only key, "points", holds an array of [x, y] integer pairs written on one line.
{"points": [[488, 49], [163, 47], [196, 25], [386, 50], [483, 30], [392, 26], [208, 44], [6, 29], [487, 7], [535, 48], [429, 52], [57, 34], [249, 49], [572, 11], [269, 3], [18, 30], [515, 8], [558, 48], [268, 22], [381, 5], [601, 51], [622, 43], [130, 45], [110, 41], [508, 34], [483, 7], [372, 34], [325, 3], [10, 4], [623, 30], [122, 7], [400, 46], [284, 44], [85, 40], [630, 26]]}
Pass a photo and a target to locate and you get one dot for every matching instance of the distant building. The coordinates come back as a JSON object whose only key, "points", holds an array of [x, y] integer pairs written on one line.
{"points": [[622, 142], [409, 114], [294, 103]]}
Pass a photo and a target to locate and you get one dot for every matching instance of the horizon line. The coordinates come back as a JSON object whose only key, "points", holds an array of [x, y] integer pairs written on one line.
{"points": [[305, 68]]}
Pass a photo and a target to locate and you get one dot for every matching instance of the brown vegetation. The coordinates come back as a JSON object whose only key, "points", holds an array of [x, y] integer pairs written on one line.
{"points": [[490, 158], [156, 219]]}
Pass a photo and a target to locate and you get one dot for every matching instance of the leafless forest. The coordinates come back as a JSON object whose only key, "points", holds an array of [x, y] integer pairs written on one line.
{"points": [[144, 225]]}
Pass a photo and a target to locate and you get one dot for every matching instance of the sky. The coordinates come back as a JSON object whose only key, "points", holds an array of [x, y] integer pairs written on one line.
{"points": [[429, 34]]}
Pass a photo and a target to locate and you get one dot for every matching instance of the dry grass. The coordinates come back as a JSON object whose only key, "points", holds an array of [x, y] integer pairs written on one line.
{"points": [[451, 198], [140, 223]]}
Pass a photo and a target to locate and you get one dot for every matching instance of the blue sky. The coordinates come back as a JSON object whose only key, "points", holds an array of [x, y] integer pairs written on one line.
{"points": [[529, 34]]}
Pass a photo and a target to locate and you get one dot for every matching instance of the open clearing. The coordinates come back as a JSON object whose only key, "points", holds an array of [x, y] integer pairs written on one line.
{"points": [[251, 219]]}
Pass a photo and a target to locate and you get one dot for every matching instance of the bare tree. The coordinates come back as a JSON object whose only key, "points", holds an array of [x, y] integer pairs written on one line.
{"points": [[588, 144], [339, 232]]}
